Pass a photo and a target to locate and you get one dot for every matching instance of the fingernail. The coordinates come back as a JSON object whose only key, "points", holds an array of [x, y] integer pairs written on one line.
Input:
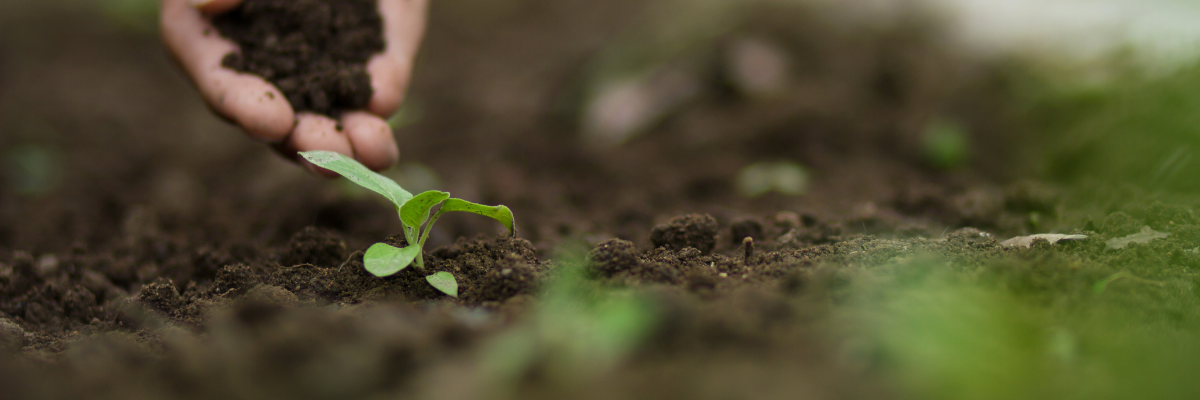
{"points": [[199, 3]]}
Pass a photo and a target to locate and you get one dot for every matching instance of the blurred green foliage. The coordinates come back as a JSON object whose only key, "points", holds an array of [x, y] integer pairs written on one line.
{"points": [[1131, 128], [1026, 329], [946, 144], [784, 177], [33, 170], [136, 15], [579, 332]]}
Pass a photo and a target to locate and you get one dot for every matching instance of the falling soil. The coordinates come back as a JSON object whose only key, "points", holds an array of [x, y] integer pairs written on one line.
{"points": [[197, 265], [314, 51]]}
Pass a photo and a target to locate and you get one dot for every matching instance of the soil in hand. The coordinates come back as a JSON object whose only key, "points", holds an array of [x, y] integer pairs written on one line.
{"points": [[314, 51]]}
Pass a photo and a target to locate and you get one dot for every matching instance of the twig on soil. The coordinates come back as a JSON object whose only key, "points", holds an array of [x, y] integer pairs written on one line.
{"points": [[348, 259]]}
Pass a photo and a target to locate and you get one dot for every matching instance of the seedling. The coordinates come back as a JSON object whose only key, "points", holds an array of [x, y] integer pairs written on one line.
{"points": [[384, 260]]}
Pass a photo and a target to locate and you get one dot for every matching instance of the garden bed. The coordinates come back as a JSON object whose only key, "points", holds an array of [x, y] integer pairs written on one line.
{"points": [[166, 256]]}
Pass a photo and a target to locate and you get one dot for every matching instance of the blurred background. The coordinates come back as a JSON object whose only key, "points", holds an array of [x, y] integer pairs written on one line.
{"points": [[1061, 90], [1058, 90]]}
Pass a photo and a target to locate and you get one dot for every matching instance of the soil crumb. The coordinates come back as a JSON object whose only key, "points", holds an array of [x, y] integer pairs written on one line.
{"points": [[613, 256], [314, 51], [696, 231]]}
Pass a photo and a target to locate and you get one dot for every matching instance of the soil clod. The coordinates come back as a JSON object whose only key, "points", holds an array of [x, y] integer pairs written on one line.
{"points": [[511, 276], [234, 280], [696, 231], [612, 256], [316, 247], [12, 337], [161, 295], [273, 295]]}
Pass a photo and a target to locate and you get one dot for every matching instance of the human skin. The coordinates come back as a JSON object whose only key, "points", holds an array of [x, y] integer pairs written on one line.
{"points": [[263, 112]]}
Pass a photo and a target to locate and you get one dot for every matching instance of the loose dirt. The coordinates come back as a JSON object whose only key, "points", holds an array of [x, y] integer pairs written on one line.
{"points": [[314, 51]]}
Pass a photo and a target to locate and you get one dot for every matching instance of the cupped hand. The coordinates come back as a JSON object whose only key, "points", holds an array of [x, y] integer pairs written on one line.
{"points": [[262, 110]]}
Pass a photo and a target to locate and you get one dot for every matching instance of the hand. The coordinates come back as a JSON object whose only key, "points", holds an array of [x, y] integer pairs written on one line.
{"points": [[264, 113]]}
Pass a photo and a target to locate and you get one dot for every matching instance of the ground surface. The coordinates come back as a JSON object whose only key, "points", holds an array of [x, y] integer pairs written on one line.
{"points": [[149, 251]]}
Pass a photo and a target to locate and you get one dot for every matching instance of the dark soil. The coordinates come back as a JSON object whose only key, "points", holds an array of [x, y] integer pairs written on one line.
{"points": [[693, 231], [314, 51], [198, 265]]}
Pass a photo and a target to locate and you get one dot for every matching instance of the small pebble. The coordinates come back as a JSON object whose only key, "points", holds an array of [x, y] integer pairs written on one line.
{"points": [[12, 337], [47, 265]]}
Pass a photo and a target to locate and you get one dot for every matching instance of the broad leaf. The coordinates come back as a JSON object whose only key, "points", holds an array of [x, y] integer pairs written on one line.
{"points": [[384, 260], [445, 282], [415, 212], [359, 174], [499, 213]]}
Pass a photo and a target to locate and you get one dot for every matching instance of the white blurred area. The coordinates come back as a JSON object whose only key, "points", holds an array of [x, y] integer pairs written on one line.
{"points": [[1156, 33]]}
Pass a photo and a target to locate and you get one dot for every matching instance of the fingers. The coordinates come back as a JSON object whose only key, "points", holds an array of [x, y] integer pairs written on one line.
{"points": [[264, 112], [389, 80], [360, 135], [251, 102], [372, 140], [403, 29], [317, 132], [257, 106], [213, 7]]}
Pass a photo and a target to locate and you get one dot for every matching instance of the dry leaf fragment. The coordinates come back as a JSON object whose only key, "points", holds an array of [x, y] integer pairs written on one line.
{"points": [[1145, 236], [1027, 241]]}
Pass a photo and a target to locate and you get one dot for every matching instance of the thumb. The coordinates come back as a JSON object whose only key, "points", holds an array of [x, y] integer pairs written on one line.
{"points": [[212, 7]]}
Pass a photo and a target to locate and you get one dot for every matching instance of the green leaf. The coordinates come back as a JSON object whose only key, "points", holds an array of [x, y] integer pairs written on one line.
{"points": [[445, 282], [499, 213], [359, 174], [383, 260], [415, 212]]}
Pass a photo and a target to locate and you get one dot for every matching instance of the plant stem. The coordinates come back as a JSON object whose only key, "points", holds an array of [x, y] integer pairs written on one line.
{"points": [[428, 227], [409, 236]]}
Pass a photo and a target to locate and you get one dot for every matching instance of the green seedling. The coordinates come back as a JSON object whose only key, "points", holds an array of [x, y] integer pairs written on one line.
{"points": [[384, 260]]}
